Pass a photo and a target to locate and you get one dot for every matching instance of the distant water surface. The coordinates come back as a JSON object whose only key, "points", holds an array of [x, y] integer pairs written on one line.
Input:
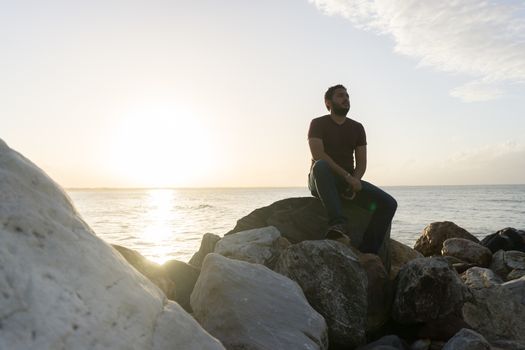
{"points": [[165, 224]]}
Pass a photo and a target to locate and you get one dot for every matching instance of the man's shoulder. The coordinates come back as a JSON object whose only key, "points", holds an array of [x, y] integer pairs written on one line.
{"points": [[353, 122], [321, 119]]}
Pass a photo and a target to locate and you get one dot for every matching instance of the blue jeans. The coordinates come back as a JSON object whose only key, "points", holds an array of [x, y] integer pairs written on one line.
{"points": [[327, 186]]}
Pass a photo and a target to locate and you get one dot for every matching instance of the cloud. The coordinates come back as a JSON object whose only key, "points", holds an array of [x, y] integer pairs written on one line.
{"points": [[482, 39]]}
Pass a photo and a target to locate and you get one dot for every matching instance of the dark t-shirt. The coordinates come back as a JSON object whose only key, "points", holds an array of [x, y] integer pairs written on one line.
{"points": [[340, 141]]}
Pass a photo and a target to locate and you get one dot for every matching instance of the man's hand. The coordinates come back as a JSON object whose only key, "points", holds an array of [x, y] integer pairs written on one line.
{"points": [[354, 183]]}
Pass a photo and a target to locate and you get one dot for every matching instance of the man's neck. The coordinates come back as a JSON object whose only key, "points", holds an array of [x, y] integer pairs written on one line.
{"points": [[338, 119]]}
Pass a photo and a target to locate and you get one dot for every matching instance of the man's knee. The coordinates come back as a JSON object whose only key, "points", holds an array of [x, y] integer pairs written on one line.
{"points": [[320, 166]]}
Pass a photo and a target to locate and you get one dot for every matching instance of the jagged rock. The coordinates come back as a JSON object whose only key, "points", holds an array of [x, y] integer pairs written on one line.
{"points": [[467, 339], [379, 292], [498, 312], [209, 240], [184, 277], [248, 306], [149, 269], [400, 254], [334, 284], [431, 240], [388, 342], [64, 288], [515, 274], [467, 251], [479, 277], [503, 262], [428, 289], [258, 246], [300, 219], [507, 239]]}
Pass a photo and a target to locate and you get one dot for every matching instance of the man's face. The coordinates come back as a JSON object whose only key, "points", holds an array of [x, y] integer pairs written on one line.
{"points": [[340, 102]]}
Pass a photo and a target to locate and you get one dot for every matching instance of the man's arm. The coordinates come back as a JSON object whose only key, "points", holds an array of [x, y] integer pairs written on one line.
{"points": [[317, 150], [360, 161]]}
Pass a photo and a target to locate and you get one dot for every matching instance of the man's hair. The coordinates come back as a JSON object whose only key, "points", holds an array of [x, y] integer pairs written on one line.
{"points": [[330, 93]]}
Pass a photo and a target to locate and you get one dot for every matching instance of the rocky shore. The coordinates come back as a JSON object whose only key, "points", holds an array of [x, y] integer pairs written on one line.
{"points": [[272, 282]]}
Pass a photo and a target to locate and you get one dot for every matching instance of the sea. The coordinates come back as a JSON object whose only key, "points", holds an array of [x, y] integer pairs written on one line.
{"points": [[165, 224]]}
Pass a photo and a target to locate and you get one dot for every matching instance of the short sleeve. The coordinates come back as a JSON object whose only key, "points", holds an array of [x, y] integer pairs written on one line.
{"points": [[361, 137], [315, 130]]}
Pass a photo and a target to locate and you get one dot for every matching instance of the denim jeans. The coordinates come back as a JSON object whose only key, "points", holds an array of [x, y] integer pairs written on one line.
{"points": [[327, 186]]}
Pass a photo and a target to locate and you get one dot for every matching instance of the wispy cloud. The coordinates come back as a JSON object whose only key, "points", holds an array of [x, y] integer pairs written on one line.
{"points": [[483, 39]]}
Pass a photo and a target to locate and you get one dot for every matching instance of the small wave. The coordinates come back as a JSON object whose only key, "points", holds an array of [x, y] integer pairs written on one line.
{"points": [[194, 207]]}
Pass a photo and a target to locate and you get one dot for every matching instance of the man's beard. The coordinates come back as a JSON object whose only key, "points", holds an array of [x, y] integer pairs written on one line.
{"points": [[339, 110]]}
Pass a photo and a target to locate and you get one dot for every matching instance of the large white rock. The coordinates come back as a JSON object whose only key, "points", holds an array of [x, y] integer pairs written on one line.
{"points": [[259, 245], [64, 288], [248, 306]]}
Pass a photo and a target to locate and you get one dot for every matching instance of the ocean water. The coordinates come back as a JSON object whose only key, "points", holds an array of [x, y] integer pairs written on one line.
{"points": [[164, 224]]}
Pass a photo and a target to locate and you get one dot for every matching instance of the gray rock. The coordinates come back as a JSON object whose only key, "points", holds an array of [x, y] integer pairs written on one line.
{"points": [[388, 342], [498, 312], [468, 251], [467, 339], [301, 219], [504, 262], [184, 277], [428, 289], [248, 306], [334, 283], [515, 274], [400, 254], [208, 242], [507, 345], [479, 277], [515, 259], [62, 287], [431, 240], [498, 264], [258, 246]]}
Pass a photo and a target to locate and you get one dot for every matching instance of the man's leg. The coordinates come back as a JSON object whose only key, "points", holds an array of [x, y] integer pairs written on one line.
{"points": [[323, 184], [382, 206]]}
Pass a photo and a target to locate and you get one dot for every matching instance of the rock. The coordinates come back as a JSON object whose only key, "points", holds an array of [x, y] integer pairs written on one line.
{"points": [[507, 345], [379, 292], [467, 339], [467, 251], [515, 274], [503, 262], [258, 246], [334, 284], [209, 240], [388, 342], [507, 239], [400, 254], [300, 219], [184, 277], [498, 312], [421, 344], [64, 288], [431, 240], [248, 306], [479, 277], [428, 289], [149, 269]]}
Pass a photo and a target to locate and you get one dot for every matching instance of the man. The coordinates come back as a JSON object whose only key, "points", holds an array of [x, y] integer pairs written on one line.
{"points": [[333, 140]]}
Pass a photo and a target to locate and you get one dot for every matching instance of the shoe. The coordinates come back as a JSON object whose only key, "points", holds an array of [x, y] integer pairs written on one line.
{"points": [[338, 233]]}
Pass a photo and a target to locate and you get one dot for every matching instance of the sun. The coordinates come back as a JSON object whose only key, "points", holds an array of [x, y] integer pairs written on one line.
{"points": [[155, 147]]}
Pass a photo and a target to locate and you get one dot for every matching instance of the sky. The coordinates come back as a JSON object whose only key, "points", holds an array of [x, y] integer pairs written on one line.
{"points": [[128, 93]]}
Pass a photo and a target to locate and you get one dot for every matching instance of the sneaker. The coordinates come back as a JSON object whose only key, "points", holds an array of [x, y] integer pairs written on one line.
{"points": [[338, 233]]}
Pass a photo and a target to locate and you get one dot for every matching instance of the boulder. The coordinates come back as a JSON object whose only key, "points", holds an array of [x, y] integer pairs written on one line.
{"points": [[149, 269], [208, 242], [388, 342], [380, 293], [428, 289], [467, 339], [258, 246], [507, 345], [248, 306], [64, 288], [515, 274], [400, 254], [184, 277], [304, 218], [334, 283], [467, 251], [504, 262], [497, 311], [479, 277], [431, 240], [507, 239]]}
